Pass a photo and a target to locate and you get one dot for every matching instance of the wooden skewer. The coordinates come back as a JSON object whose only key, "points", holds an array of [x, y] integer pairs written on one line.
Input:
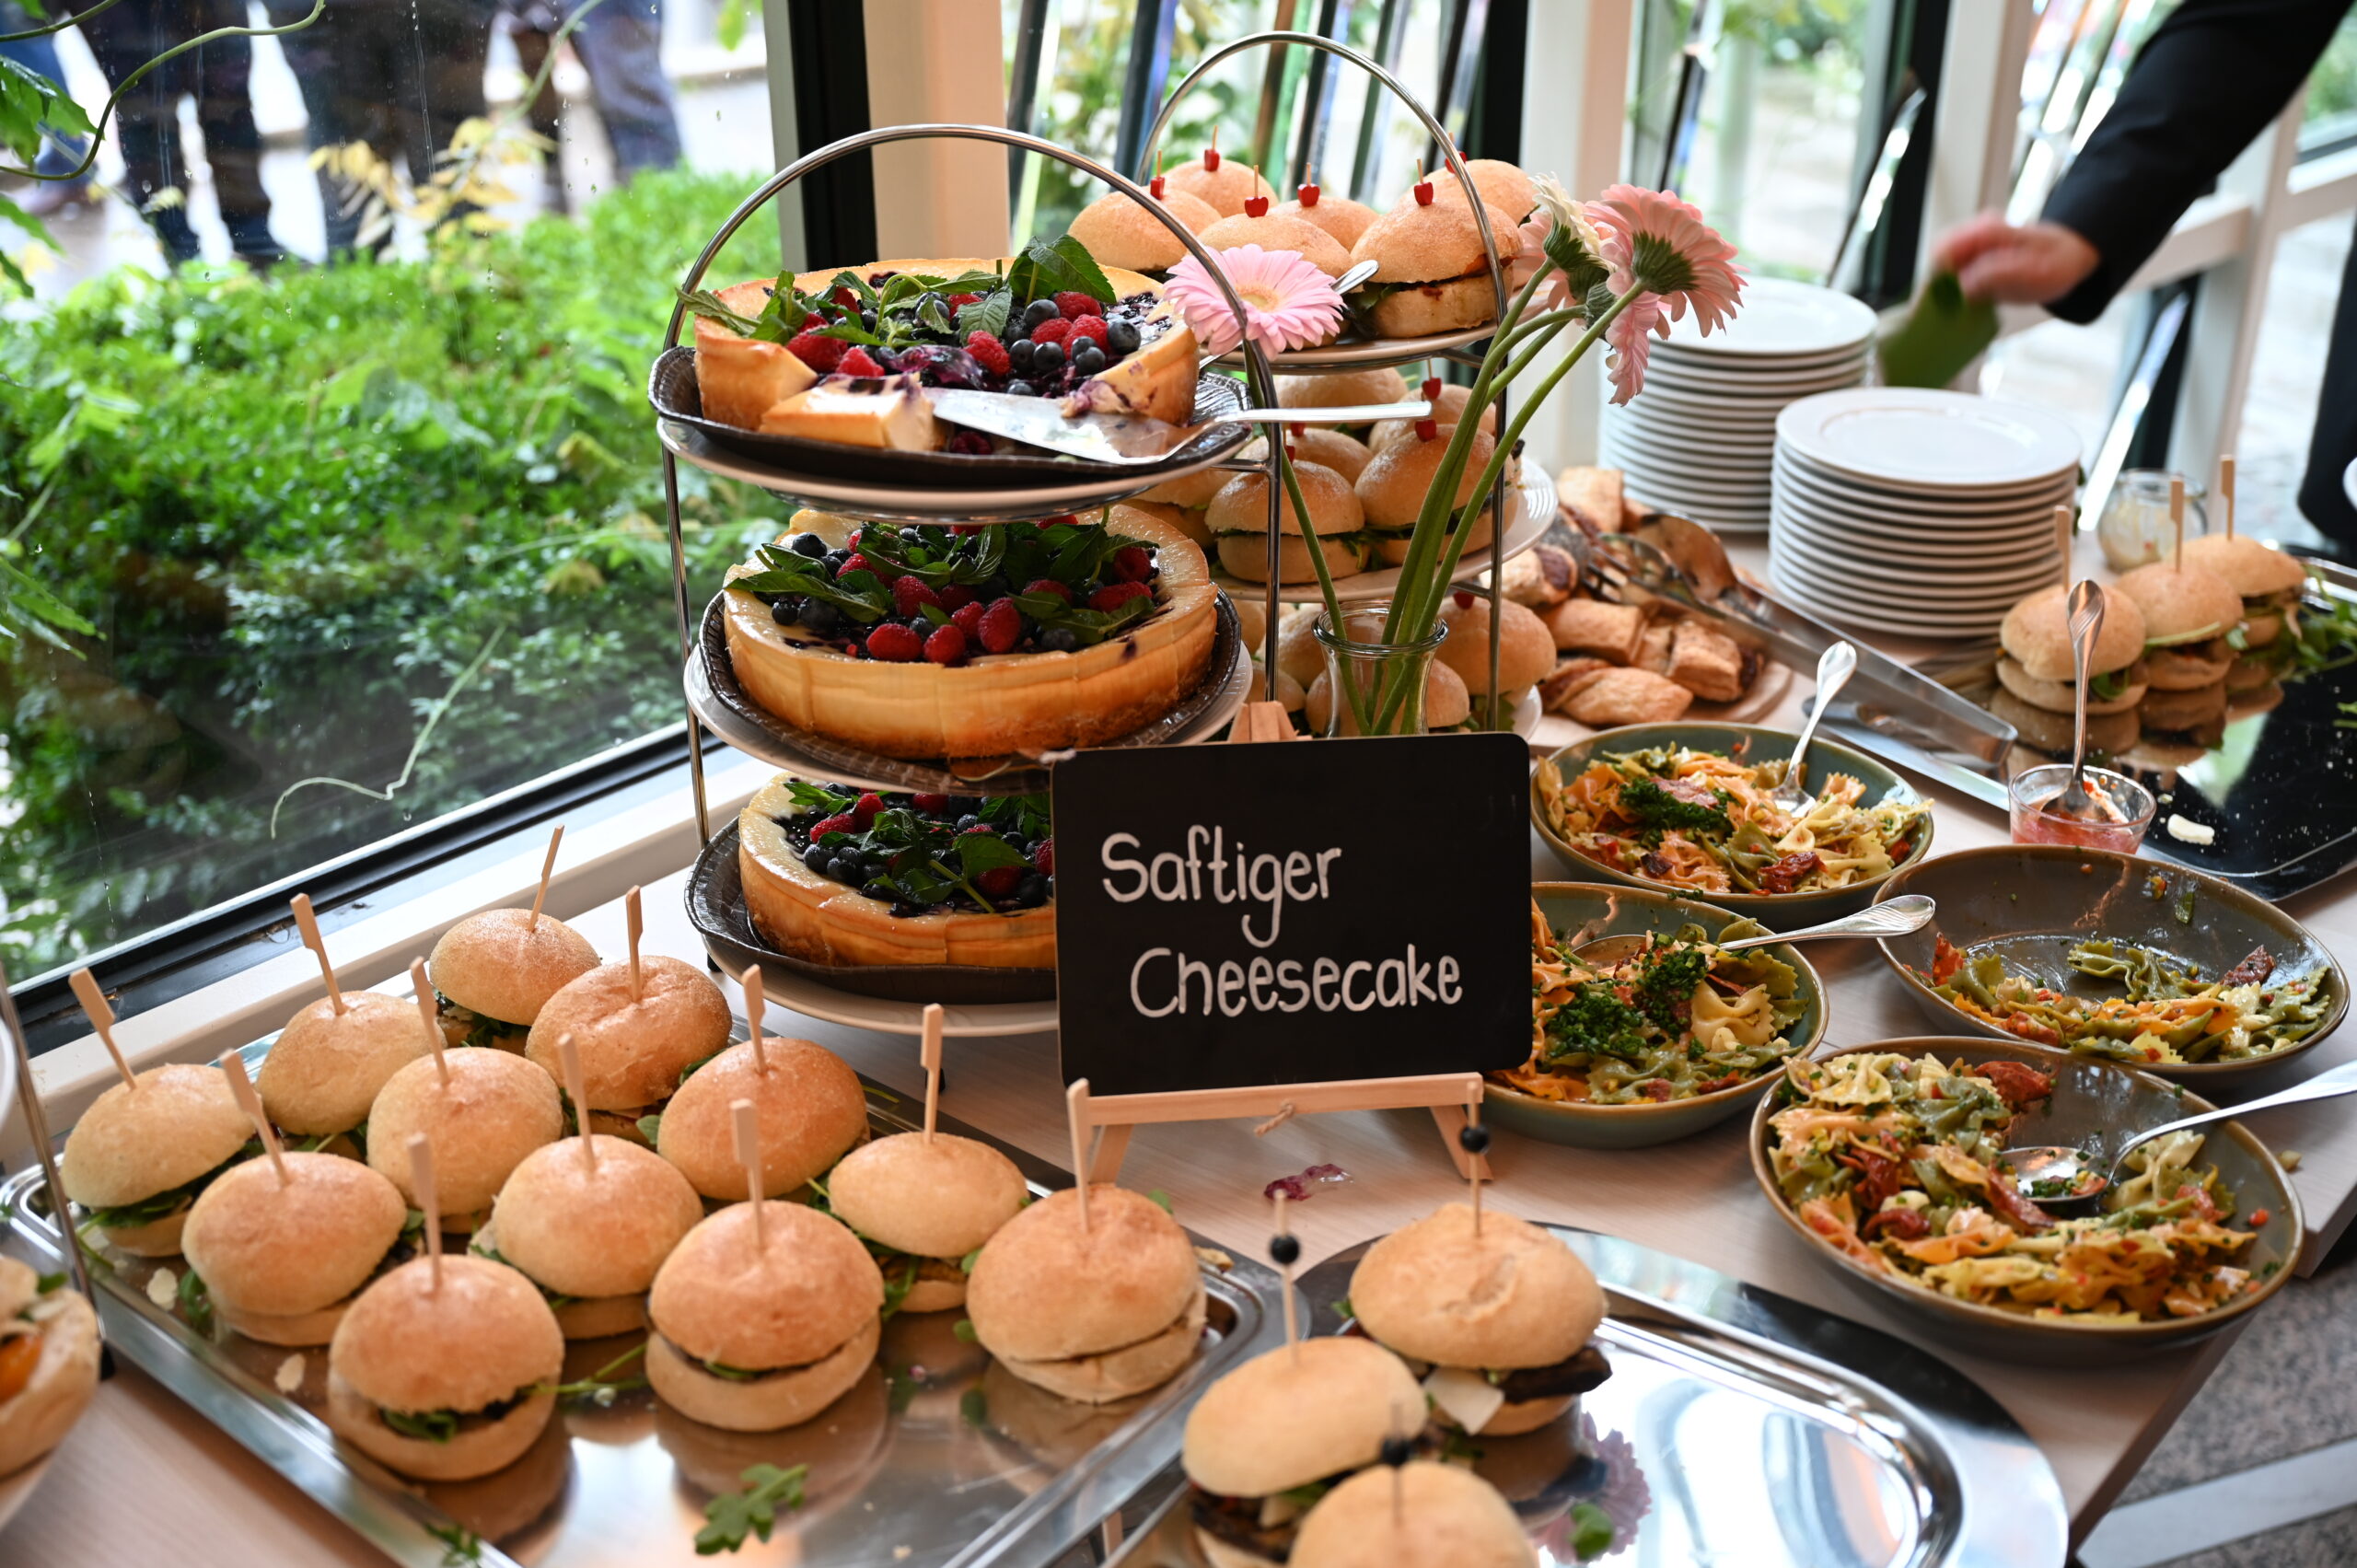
{"points": [[749, 1155], [756, 1005], [94, 1002], [1076, 1113], [2226, 490], [429, 1007], [637, 926], [929, 1052], [2176, 522], [241, 1089], [547, 867], [429, 1203], [309, 924], [1476, 1141], [1285, 1255], [2064, 527], [568, 1056]]}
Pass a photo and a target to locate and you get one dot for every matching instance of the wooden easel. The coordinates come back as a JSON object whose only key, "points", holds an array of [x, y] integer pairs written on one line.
{"points": [[1449, 1096]]}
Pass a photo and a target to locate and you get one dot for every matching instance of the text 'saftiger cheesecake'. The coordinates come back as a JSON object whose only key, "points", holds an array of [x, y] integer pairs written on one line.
{"points": [[839, 875], [842, 355], [969, 640]]}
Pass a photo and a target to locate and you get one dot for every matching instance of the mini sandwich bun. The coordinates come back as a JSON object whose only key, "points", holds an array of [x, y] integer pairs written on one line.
{"points": [[2049, 730], [1431, 1515], [1447, 702], [133, 1144], [1419, 243], [1094, 1315], [2254, 570], [482, 1336], [503, 964], [1380, 385], [594, 1232], [1298, 1414], [1323, 444], [941, 1199], [1503, 187], [323, 1074], [1448, 407], [37, 1417], [1393, 486], [797, 1301], [1281, 231], [495, 1110], [2036, 664], [279, 1259], [2184, 607], [1526, 650], [2189, 709], [1223, 183], [1120, 232], [810, 1105], [1299, 653], [1338, 215], [1510, 1297], [1191, 491], [633, 1053], [1238, 519]]}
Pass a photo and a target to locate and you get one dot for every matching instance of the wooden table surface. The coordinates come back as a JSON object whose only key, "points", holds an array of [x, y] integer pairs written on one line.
{"points": [[143, 1478]]}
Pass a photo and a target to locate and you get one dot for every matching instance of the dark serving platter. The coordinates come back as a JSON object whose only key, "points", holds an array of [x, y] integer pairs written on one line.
{"points": [[671, 388], [716, 899]]}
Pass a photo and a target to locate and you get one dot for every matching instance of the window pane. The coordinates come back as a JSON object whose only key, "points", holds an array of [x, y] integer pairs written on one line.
{"points": [[2287, 380], [2332, 110], [338, 547]]}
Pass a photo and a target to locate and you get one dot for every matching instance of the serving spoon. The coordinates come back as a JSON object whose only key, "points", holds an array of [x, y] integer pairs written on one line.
{"points": [[1834, 667], [2039, 1164], [2085, 625], [1893, 917]]}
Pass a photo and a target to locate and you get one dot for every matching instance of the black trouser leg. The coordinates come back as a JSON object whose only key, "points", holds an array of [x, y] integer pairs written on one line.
{"points": [[122, 39], [225, 112], [2324, 494]]}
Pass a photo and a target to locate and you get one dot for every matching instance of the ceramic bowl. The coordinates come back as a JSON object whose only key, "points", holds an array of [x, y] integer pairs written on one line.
{"points": [[2093, 1099], [2032, 901], [1753, 745], [1626, 911]]}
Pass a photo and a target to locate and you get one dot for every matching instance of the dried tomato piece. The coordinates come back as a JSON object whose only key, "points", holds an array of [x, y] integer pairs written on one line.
{"points": [[1900, 1225], [2018, 1083], [1789, 873]]}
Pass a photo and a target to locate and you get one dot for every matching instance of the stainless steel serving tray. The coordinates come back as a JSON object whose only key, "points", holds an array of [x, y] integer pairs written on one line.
{"points": [[1743, 1427], [936, 1458]]}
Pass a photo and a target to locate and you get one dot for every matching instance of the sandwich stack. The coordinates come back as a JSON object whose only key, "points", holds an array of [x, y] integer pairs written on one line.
{"points": [[1915, 510], [1698, 441]]}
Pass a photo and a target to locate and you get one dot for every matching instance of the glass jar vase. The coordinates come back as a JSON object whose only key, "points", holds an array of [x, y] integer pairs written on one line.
{"points": [[1371, 686], [2134, 529]]}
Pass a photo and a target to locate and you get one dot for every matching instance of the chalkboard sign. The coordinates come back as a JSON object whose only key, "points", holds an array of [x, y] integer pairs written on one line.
{"points": [[1243, 915]]}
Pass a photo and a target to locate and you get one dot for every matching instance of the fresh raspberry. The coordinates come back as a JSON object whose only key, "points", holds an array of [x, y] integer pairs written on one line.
{"points": [[855, 562], [989, 353], [1073, 305], [971, 444], [1050, 331], [858, 362], [977, 828], [863, 809], [957, 597], [1091, 327], [1043, 857], [960, 301], [1112, 595], [930, 802], [1133, 563], [1001, 628], [908, 593], [1048, 585], [999, 880], [1065, 519], [968, 618], [821, 354], [946, 645], [842, 824], [894, 643], [846, 298]]}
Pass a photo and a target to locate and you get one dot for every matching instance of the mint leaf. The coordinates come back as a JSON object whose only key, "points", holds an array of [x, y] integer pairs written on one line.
{"points": [[987, 314], [977, 853], [1085, 269]]}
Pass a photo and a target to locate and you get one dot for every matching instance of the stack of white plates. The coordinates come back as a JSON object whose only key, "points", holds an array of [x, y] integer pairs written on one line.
{"points": [[1697, 440], [1918, 511]]}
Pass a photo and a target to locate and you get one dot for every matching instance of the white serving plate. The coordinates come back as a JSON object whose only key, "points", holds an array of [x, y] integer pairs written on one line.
{"points": [[1709, 409], [1534, 514], [1780, 318], [2015, 572], [851, 1010], [1672, 438], [1727, 482], [1925, 554], [1882, 618], [2049, 493], [1366, 353], [1980, 531], [1923, 437], [1928, 595]]}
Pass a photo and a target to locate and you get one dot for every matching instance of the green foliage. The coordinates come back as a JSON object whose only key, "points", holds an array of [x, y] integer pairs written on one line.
{"points": [[732, 1515], [292, 511]]}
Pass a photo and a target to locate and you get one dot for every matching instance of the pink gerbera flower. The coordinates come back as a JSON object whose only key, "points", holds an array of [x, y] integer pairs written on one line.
{"points": [[1291, 303], [1653, 241]]}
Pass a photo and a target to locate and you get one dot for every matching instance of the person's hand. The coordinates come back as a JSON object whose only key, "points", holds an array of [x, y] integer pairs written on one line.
{"points": [[2034, 264]]}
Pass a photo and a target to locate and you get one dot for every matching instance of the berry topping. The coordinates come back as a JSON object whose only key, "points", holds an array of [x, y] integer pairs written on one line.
{"points": [[1428, 429], [1133, 563], [863, 809], [956, 597], [930, 802], [971, 444], [1256, 206], [946, 645], [846, 298], [908, 593], [821, 354], [1048, 586], [841, 824], [1112, 595], [1423, 193], [1001, 628], [905, 852], [855, 562], [1072, 305], [999, 880], [960, 301], [1090, 328], [1049, 332], [859, 361], [1043, 855], [1307, 195], [894, 643], [989, 353], [968, 618]]}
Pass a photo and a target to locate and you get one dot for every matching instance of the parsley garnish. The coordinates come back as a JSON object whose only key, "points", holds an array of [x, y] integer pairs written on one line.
{"points": [[460, 1545], [732, 1515], [195, 1303], [1658, 811]]}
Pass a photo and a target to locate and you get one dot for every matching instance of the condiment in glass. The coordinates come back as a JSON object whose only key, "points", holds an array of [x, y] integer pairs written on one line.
{"points": [[2134, 529], [2119, 809]]}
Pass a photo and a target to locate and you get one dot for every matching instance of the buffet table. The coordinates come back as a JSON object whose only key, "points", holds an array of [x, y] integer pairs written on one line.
{"points": [[142, 1470]]}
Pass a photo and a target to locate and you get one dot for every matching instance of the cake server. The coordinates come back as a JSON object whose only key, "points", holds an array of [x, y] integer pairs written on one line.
{"points": [[1126, 438]]}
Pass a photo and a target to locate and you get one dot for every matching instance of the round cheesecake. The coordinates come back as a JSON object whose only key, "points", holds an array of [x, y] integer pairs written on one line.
{"points": [[991, 703]]}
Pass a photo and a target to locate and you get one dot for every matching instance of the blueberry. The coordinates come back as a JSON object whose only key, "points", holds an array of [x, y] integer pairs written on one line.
{"points": [[1059, 640], [822, 617], [1121, 337], [1089, 360], [969, 821], [1021, 388], [881, 889], [1019, 354], [846, 869], [808, 544], [817, 857], [903, 910], [960, 805], [1048, 358], [1473, 1138], [1040, 310], [1032, 889], [786, 610], [834, 559], [868, 320], [1285, 1250], [1396, 1451]]}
